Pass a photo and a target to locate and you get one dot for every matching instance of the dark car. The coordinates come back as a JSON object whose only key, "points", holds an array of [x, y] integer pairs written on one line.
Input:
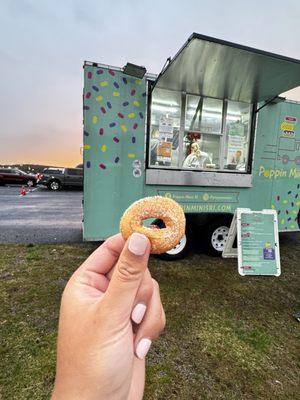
{"points": [[57, 178], [15, 175]]}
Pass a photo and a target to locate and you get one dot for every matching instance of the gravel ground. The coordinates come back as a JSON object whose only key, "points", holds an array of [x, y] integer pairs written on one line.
{"points": [[41, 216]]}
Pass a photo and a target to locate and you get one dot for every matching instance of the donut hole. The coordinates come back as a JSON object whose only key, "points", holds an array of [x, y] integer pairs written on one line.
{"points": [[154, 223], [148, 223]]}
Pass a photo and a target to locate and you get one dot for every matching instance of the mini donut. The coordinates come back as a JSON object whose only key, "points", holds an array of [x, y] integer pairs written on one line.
{"points": [[163, 208]]}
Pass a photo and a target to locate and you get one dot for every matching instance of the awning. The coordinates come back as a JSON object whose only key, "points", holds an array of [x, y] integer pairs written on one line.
{"points": [[215, 68]]}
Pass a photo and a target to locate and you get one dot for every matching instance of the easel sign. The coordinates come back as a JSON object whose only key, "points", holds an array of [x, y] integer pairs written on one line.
{"points": [[257, 242], [230, 251]]}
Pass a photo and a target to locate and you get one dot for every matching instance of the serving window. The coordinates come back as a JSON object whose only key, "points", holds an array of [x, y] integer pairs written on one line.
{"points": [[190, 132]]}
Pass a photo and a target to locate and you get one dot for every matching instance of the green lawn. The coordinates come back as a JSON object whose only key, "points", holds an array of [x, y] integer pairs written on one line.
{"points": [[227, 337]]}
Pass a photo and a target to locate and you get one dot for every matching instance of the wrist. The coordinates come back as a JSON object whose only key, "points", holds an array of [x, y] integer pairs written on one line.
{"points": [[64, 393], [61, 392]]}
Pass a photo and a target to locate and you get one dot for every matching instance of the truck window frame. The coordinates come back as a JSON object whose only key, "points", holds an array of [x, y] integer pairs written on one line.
{"points": [[152, 171]]}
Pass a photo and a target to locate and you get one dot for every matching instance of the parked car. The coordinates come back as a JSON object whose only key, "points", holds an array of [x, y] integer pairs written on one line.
{"points": [[57, 178], [15, 175]]}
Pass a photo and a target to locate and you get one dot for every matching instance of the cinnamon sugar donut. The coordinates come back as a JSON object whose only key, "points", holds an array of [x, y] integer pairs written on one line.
{"points": [[163, 208]]}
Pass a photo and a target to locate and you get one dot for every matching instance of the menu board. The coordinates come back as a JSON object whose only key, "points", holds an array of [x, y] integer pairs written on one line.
{"points": [[258, 243], [166, 128], [164, 152]]}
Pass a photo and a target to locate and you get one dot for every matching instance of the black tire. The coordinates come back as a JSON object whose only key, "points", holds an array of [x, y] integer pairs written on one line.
{"points": [[216, 233], [181, 250], [54, 185]]}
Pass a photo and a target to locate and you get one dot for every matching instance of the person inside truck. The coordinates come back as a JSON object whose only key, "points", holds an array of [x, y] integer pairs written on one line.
{"points": [[197, 158], [238, 160], [110, 313]]}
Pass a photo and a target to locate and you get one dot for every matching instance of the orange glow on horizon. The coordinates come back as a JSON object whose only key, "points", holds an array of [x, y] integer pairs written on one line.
{"points": [[70, 162], [58, 147], [61, 159]]}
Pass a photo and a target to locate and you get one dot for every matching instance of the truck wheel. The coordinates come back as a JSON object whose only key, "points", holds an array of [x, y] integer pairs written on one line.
{"points": [[180, 250], [54, 185], [216, 234]]}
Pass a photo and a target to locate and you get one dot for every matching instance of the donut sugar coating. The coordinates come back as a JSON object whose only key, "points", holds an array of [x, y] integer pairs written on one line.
{"points": [[158, 207]]}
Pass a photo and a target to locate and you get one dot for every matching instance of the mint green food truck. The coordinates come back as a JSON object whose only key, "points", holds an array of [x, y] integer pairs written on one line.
{"points": [[210, 131]]}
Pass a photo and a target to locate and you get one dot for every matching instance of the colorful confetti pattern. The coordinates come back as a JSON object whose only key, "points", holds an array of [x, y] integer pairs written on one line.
{"points": [[114, 107], [287, 204]]}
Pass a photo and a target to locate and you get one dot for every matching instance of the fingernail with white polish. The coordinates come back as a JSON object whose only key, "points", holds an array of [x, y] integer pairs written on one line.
{"points": [[142, 348], [138, 313], [138, 244]]}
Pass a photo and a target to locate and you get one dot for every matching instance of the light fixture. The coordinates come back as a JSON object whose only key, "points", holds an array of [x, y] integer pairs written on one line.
{"points": [[164, 108], [134, 70], [164, 102], [230, 116]]}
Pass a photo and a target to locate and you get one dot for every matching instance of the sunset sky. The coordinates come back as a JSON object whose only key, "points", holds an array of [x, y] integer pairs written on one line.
{"points": [[44, 43]]}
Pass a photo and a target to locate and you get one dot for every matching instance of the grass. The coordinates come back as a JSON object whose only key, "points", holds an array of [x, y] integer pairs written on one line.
{"points": [[227, 337]]}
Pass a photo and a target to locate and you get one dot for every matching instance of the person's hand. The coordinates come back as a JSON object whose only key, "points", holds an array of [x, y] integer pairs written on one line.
{"points": [[110, 312]]}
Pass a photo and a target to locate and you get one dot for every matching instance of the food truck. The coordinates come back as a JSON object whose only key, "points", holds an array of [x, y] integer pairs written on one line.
{"points": [[210, 131]]}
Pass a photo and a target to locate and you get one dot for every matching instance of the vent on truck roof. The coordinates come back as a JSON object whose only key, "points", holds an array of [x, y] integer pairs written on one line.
{"points": [[134, 70]]}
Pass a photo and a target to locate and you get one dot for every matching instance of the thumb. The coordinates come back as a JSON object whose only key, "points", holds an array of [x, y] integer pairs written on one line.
{"points": [[127, 276]]}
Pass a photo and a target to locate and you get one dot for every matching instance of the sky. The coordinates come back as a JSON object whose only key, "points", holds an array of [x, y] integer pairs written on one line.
{"points": [[44, 43]]}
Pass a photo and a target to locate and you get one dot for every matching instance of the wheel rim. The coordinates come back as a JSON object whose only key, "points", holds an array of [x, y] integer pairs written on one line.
{"points": [[178, 248], [54, 185], [219, 238], [30, 183]]}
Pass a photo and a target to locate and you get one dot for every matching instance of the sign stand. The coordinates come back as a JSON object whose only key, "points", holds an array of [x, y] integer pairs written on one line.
{"points": [[257, 242], [229, 251]]}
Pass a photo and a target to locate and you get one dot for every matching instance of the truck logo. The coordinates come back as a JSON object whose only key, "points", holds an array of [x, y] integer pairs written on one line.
{"points": [[290, 119], [288, 133], [205, 197], [287, 126], [287, 148]]}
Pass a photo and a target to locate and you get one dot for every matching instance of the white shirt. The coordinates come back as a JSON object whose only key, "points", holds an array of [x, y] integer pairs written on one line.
{"points": [[196, 161]]}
